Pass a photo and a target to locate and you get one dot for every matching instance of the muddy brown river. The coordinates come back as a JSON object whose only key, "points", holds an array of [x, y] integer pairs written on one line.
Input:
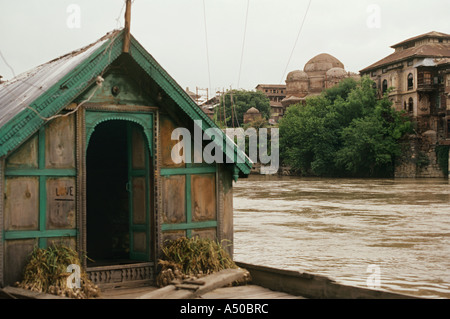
{"points": [[391, 234]]}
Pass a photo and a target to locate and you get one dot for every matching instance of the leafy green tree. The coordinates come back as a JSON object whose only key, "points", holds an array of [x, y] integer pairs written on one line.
{"points": [[346, 131], [371, 143], [236, 103]]}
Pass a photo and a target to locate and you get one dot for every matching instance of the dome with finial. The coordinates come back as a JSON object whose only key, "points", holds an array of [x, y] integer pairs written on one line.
{"points": [[252, 110]]}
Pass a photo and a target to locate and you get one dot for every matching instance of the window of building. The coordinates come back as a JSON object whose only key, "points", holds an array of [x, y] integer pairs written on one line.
{"points": [[410, 63], [448, 128], [410, 81], [427, 78], [385, 86], [410, 105], [438, 102]]}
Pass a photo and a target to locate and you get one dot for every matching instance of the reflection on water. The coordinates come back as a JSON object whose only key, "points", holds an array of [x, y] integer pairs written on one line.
{"points": [[338, 227]]}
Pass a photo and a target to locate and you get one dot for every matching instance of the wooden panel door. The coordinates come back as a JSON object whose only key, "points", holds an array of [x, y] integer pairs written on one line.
{"points": [[139, 190]]}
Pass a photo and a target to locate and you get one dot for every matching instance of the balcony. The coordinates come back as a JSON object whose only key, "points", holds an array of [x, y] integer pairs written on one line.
{"points": [[428, 81]]}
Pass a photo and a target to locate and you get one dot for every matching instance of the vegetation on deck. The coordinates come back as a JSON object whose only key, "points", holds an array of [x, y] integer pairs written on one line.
{"points": [[192, 257], [46, 272]]}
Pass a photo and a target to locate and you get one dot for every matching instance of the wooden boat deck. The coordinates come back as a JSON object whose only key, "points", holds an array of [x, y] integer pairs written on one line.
{"points": [[236, 292], [247, 292], [266, 283]]}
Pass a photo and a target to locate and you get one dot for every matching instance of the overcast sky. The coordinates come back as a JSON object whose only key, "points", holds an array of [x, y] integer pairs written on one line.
{"points": [[357, 32]]}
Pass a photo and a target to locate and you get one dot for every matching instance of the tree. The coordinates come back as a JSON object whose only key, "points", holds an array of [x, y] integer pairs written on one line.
{"points": [[345, 131], [370, 143], [236, 103]]}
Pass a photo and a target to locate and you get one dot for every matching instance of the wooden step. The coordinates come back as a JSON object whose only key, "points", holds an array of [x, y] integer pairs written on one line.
{"points": [[191, 291]]}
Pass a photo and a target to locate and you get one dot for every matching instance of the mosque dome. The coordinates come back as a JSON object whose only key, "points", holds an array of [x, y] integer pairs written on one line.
{"points": [[322, 63], [296, 75], [252, 110], [336, 73]]}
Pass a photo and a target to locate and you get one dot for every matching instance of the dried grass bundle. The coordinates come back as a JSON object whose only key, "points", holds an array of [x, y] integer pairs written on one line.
{"points": [[195, 256], [46, 272]]}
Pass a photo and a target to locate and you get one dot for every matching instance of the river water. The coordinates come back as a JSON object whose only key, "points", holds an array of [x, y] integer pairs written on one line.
{"points": [[396, 231]]}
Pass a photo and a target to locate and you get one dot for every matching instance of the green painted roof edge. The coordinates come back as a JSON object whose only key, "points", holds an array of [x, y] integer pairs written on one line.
{"points": [[185, 102], [58, 96], [52, 101]]}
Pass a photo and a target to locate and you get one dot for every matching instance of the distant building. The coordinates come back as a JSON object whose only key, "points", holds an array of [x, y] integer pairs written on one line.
{"points": [[418, 74], [193, 95], [275, 93], [206, 103], [321, 72], [251, 115]]}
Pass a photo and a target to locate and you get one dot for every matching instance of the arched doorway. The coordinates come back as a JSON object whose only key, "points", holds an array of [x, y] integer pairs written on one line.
{"points": [[118, 203]]}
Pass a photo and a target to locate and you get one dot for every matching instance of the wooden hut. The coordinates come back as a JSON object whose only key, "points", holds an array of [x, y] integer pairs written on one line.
{"points": [[85, 158]]}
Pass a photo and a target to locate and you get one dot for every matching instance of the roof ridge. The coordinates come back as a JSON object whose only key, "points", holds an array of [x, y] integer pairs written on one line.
{"points": [[438, 50], [424, 35], [59, 83]]}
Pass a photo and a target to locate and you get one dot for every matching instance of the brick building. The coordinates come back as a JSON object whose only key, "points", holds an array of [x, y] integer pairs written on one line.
{"points": [[416, 77], [275, 93]]}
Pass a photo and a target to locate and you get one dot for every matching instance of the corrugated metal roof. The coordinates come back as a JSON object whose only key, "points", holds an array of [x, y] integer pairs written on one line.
{"points": [[425, 62], [17, 93]]}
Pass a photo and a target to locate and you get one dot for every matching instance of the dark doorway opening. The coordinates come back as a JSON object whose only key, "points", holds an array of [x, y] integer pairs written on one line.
{"points": [[107, 196]]}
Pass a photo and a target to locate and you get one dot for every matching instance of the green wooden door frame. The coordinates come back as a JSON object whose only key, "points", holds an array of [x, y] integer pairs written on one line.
{"points": [[145, 122], [136, 173]]}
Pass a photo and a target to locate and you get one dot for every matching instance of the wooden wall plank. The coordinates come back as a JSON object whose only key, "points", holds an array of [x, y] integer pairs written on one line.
{"points": [[61, 194], [16, 257], [60, 143], [173, 199], [68, 241], [22, 203], [210, 233], [166, 127], [26, 156], [203, 194], [226, 193], [172, 235]]}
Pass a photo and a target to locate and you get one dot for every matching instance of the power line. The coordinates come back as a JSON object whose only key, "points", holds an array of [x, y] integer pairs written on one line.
{"points": [[6, 63], [295, 43], [243, 44], [206, 43], [120, 15]]}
